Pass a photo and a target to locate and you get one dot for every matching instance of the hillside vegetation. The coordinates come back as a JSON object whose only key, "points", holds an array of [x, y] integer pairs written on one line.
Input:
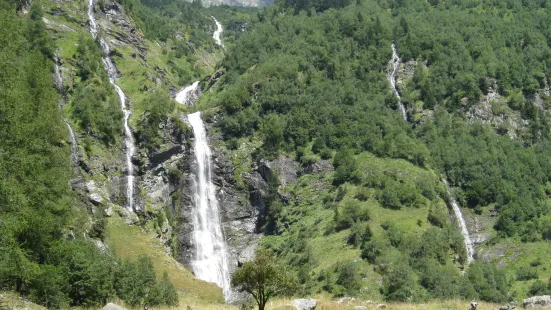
{"points": [[309, 82], [367, 214]]}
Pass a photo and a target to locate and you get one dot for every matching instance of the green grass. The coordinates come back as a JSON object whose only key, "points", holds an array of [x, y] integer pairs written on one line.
{"points": [[129, 242]]}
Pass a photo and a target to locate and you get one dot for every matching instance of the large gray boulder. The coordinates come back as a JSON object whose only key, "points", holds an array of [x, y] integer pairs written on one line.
{"points": [[305, 304], [112, 306], [537, 302]]}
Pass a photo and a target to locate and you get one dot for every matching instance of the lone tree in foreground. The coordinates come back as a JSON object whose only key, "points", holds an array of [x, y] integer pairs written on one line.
{"points": [[263, 278]]}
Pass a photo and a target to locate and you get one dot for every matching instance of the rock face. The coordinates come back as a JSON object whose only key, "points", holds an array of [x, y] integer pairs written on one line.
{"points": [[305, 304], [537, 302], [167, 177], [121, 28]]}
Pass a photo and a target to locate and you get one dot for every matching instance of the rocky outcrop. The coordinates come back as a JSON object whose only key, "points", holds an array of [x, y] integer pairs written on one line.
{"points": [[119, 26], [305, 304], [537, 302], [167, 178], [491, 110]]}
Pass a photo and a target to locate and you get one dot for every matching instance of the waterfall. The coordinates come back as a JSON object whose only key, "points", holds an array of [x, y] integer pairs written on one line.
{"points": [[217, 33], [58, 80], [74, 145], [128, 138], [210, 262], [393, 65], [189, 94], [469, 246], [72, 137]]}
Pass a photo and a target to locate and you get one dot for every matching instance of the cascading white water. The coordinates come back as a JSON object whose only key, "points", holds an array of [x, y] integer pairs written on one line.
{"points": [[189, 94], [217, 33], [469, 246], [74, 145], [128, 138], [210, 262], [58, 80], [394, 64]]}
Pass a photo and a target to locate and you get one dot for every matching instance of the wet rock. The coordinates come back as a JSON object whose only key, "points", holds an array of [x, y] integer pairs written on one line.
{"points": [[305, 304]]}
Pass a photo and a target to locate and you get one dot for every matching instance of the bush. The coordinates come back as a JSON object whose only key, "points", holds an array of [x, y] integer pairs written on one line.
{"points": [[351, 212], [489, 282], [362, 194], [538, 288], [438, 215], [345, 166], [526, 273], [136, 284], [359, 233]]}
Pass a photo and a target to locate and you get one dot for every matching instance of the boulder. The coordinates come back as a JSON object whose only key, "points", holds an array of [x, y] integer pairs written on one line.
{"points": [[537, 302], [305, 304], [112, 306], [96, 199]]}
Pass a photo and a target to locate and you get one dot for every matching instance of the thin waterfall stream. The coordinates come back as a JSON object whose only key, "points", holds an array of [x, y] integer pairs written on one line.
{"points": [[218, 33], [211, 259], [469, 246], [112, 72], [58, 80], [394, 64]]}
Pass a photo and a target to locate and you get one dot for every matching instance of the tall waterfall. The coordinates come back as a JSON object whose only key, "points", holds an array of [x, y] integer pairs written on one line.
{"points": [[210, 262], [393, 65], [189, 94], [128, 138], [469, 246], [217, 33]]}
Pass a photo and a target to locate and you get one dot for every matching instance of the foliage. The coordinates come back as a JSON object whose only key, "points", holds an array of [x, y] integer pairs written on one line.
{"points": [[489, 282], [136, 284], [95, 105], [263, 278], [159, 106], [42, 252]]}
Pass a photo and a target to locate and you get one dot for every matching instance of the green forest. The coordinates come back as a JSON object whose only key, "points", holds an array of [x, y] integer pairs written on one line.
{"points": [[309, 81], [44, 253], [305, 80]]}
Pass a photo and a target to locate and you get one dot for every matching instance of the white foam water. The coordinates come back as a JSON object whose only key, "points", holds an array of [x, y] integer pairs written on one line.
{"points": [[210, 262], [189, 94], [394, 64], [469, 246], [218, 33]]}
